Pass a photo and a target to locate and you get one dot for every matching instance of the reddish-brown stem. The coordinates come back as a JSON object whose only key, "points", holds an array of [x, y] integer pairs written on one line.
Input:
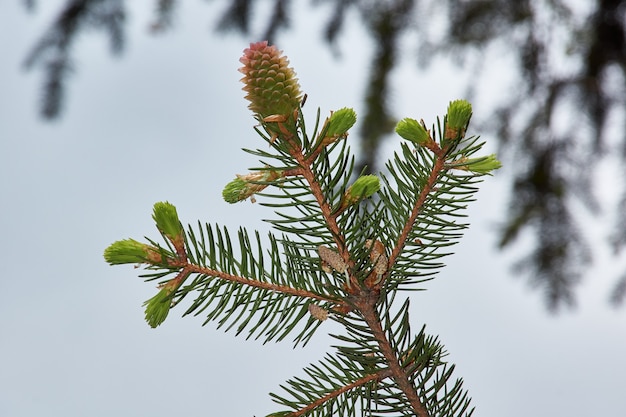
{"points": [[438, 167], [191, 268], [365, 302], [331, 219], [176, 282], [367, 306], [317, 192], [318, 149], [378, 376], [179, 246]]}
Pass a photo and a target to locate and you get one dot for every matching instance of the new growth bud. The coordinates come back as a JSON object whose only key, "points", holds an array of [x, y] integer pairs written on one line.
{"points": [[245, 186], [457, 119], [340, 121], [166, 218], [236, 190], [158, 307], [129, 251], [337, 125], [271, 85], [411, 129], [364, 187], [483, 165]]}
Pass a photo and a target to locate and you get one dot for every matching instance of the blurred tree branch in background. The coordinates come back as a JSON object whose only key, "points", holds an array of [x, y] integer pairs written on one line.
{"points": [[556, 124]]}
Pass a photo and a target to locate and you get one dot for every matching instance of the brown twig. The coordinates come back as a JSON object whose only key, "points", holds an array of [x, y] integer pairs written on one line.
{"points": [[365, 303], [192, 268], [327, 213], [367, 307], [378, 376], [438, 167]]}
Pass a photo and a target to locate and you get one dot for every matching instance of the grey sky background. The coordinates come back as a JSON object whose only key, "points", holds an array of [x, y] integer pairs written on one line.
{"points": [[166, 122]]}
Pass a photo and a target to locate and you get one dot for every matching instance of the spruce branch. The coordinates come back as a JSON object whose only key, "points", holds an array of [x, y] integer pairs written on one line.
{"points": [[325, 206], [438, 167], [326, 374], [346, 246], [367, 307], [189, 268]]}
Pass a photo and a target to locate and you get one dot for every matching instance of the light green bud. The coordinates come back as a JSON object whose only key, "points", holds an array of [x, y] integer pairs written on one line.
{"points": [[129, 251], [167, 222], [158, 307], [459, 114], [340, 121], [483, 165], [245, 186], [457, 119], [235, 191], [363, 187], [411, 129]]}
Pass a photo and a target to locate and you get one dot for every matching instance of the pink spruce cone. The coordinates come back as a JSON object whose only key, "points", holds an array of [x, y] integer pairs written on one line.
{"points": [[271, 85]]}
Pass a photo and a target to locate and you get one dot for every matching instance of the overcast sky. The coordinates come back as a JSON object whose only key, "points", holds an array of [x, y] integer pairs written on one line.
{"points": [[166, 121]]}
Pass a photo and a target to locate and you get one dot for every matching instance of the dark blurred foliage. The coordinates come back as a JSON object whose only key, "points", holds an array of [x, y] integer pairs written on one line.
{"points": [[552, 127], [53, 51]]}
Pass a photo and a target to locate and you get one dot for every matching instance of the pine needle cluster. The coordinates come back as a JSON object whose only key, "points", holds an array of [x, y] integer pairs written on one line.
{"points": [[342, 248]]}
